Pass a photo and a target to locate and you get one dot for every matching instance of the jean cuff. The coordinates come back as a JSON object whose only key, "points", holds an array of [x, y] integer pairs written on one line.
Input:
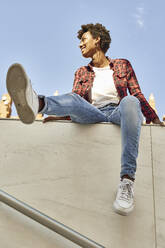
{"points": [[131, 175]]}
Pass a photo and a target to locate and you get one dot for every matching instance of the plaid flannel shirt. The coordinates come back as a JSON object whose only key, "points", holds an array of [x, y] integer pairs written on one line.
{"points": [[124, 78]]}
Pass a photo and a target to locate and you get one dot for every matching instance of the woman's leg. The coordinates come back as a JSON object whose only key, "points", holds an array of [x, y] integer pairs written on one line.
{"points": [[128, 115], [72, 105]]}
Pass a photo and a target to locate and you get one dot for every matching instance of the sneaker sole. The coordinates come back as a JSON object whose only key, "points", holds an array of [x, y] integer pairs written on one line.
{"points": [[17, 82], [122, 211]]}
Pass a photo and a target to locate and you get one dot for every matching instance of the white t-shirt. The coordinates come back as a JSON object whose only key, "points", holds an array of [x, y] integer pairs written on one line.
{"points": [[104, 90]]}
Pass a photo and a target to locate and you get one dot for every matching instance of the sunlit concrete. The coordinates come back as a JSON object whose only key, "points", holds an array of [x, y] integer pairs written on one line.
{"points": [[71, 172]]}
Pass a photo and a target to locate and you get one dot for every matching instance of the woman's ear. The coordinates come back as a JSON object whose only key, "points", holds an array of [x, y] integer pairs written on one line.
{"points": [[97, 41]]}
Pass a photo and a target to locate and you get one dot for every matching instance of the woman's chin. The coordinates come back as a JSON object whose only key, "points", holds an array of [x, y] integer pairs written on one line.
{"points": [[85, 55]]}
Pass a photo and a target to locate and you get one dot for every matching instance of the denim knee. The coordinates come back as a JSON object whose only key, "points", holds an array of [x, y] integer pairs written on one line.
{"points": [[130, 105], [130, 100]]}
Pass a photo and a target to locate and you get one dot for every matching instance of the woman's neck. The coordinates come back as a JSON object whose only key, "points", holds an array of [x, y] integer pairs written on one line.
{"points": [[99, 60]]}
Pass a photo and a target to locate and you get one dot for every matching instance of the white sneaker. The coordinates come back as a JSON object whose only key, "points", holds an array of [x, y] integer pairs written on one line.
{"points": [[124, 202], [20, 90]]}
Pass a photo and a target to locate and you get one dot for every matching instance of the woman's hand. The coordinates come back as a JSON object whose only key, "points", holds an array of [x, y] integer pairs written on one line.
{"points": [[158, 122], [55, 118]]}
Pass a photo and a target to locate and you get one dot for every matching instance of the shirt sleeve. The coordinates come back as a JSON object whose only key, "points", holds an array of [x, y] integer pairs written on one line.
{"points": [[77, 84], [134, 89]]}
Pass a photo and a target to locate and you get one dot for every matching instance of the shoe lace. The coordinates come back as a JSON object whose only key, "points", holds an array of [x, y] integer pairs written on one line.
{"points": [[126, 192]]}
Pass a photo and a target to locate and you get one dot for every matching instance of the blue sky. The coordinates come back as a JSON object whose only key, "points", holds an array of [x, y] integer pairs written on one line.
{"points": [[42, 36]]}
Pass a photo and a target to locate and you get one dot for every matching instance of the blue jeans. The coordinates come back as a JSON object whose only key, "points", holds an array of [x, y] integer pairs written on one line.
{"points": [[127, 114]]}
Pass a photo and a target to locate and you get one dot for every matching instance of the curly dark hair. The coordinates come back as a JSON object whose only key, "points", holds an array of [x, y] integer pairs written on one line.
{"points": [[97, 30]]}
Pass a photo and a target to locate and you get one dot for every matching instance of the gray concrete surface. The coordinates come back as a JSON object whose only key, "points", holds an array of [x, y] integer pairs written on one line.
{"points": [[71, 173]]}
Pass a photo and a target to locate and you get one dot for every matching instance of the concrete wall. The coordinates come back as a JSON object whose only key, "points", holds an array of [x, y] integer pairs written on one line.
{"points": [[70, 172]]}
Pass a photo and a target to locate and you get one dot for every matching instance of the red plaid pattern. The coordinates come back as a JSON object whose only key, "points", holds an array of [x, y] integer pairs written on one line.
{"points": [[124, 78]]}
